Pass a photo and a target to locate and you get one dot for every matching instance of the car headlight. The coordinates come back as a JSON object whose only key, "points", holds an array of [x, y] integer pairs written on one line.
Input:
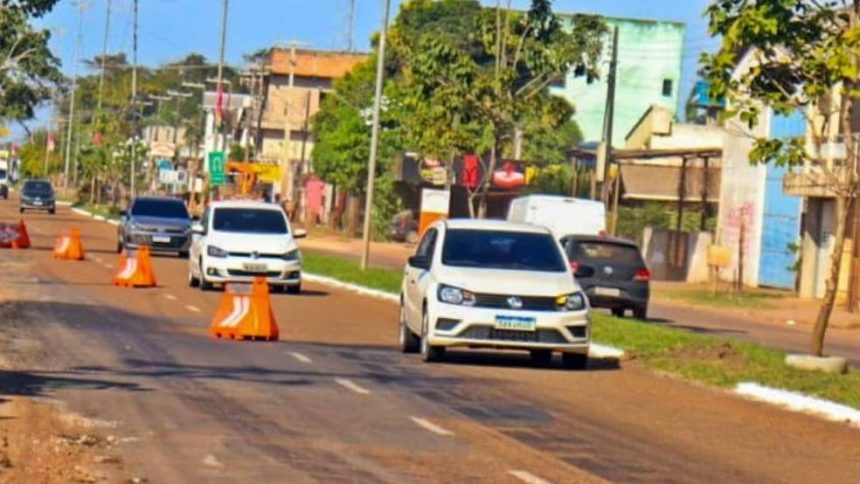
{"points": [[455, 295], [291, 255], [213, 251], [572, 302]]}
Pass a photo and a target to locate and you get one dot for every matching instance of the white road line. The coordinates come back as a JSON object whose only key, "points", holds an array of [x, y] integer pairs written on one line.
{"points": [[302, 358], [98, 259], [170, 297], [428, 425], [108, 266], [528, 477], [351, 385], [193, 309]]}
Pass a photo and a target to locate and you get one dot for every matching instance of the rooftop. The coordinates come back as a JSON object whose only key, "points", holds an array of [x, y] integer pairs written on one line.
{"points": [[314, 63]]}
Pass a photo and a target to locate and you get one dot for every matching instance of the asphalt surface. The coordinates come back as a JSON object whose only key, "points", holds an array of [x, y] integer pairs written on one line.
{"points": [[333, 401]]}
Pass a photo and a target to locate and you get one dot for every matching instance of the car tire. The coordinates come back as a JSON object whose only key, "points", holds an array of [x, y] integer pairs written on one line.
{"points": [[429, 353], [183, 254], [618, 312], [409, 341], [641, 313], [192, 281], [52, 211], [204, 284], [21, 210], [574, 361], [541, 357], [297, 289]]}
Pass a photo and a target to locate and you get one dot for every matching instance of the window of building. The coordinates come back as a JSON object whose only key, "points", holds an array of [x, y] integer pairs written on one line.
{"points": [[667, 87]]}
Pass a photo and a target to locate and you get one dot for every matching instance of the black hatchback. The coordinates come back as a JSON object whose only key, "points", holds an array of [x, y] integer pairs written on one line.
{"points": [[611, 272]]}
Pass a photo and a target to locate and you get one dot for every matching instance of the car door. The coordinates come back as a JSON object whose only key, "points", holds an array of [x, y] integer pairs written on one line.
{"points": [[416, 278]]}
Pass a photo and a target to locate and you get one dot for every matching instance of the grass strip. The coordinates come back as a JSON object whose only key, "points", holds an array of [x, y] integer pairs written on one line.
{"points": [[718, 361], [706, 297]]}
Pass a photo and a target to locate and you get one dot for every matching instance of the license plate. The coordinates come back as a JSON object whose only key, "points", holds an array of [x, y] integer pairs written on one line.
{"points": [[37, 202], [255, 267], [160, 239], [607, 291], [515, 323]]}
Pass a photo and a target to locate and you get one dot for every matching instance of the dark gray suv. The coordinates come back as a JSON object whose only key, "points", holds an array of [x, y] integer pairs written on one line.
{"points": [[37, 195], [161, 223]]}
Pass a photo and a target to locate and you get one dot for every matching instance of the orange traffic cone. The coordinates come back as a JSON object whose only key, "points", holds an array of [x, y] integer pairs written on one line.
{"points": [[23, 240], [245, 313], [135, 269], [69, 246]]}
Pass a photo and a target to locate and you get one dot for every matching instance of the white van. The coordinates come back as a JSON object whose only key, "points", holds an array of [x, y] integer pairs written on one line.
{"points": [[561, 215]]}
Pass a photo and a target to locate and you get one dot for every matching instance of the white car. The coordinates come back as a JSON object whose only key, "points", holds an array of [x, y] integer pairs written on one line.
{"points": [[238, 240], [493, 284]]}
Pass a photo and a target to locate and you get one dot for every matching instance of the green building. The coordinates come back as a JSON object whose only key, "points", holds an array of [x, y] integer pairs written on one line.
{"points": [[649, 72]]}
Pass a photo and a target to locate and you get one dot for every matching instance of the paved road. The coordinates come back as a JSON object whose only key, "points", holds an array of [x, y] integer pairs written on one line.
{"points": [[335, 402], [841, 342]]}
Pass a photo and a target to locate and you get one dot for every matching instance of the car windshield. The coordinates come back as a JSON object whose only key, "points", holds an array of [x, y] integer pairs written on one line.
{"points": [[38, 188], [605, 251], [249, 220], [159, 208], [487, 249]]}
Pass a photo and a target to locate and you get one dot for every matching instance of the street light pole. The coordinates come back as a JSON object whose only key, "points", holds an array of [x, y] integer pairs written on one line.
{"points": [[374, 137], [73, 94], [134, 106], [219, 89]]}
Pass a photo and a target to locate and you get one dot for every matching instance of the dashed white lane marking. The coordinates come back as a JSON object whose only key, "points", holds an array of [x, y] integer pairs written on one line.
{"points": [[108, 266], [98, 259], [302, 358], [528, 477], [170, 297], [193, 309], [428, 425], [351, 385]]}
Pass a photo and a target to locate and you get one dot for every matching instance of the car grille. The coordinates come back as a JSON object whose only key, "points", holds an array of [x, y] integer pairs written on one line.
{"points": [[241, 273], [489, 333], [142, 239], [259, 255], [530, 303]]}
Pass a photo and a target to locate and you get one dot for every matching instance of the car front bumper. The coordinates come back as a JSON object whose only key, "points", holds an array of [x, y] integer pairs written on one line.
{"points": [[628, 296], [158, 241], [38, 205], [278, 272], [462, 326]]}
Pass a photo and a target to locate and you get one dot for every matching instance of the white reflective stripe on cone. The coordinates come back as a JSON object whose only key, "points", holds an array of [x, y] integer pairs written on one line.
{"points": [[241, 306], [65, 242], [128, 270]]}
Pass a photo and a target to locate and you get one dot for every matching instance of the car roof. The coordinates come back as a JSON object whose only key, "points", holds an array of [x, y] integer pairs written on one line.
{"points": [[244, 204], [503, 225], [598, 238]]}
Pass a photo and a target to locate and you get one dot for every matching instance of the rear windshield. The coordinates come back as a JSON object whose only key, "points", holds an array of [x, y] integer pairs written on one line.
{"points": [[159, 208], [249, 220], [37, 187], [486, 249], [604, 251]]}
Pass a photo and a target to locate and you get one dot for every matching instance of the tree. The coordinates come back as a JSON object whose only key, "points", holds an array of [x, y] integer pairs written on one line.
{"points": [[807, 60]]}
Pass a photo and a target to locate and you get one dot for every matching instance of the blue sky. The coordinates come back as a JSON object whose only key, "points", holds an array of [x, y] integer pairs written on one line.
{"points": [[171, 28]]}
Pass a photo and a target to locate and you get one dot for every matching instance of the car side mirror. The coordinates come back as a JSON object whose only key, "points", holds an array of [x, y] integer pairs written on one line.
{"points": [[123, 213], [300, 233], [198, 228], [419, 262]]}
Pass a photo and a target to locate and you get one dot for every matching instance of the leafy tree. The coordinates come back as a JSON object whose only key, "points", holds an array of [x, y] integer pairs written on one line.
{"points": [[541, 144], [807, 60]]}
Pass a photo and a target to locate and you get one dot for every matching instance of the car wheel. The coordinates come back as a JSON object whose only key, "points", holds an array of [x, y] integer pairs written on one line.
{"points": [[192, 281], [574, 361], [296, 289], [409, 342], [204, 284], [641, 313], [618, 312], [183, 254], [21, 210], [541, 357], [429, 353], [119, 247], [52, 211]]}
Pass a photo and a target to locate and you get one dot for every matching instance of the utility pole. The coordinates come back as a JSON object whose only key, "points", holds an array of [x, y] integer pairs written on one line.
{"points": [[134, 105], [350, 40], [374, 136], [81, 7], [608, 119], [104, 55], [219, 86]]}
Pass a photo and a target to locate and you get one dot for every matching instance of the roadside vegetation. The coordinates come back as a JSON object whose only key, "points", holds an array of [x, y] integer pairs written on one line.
{"points": [[717, 361], [722, 299]]}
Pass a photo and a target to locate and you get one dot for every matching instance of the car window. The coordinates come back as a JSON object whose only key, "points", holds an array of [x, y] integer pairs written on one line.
{"points": [[489, 249], [427, 244], [249, 220], [159, 208], [42, 187], [604, 251]]}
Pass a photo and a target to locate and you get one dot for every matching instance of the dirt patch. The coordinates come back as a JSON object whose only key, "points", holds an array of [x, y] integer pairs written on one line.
{"points": [[38, 444], [724, 352]]}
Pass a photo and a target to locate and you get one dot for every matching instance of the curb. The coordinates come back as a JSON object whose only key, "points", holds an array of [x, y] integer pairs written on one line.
{"points": [[799, 402], [99, 218]]}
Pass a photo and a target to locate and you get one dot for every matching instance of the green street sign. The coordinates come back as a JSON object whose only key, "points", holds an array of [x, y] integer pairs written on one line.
{"points": [[216, 167]]}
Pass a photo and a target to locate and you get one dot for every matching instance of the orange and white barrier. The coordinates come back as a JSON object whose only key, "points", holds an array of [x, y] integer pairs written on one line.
{"points": [[14, 236], [69, 247], [245, 313], [135, 269]]}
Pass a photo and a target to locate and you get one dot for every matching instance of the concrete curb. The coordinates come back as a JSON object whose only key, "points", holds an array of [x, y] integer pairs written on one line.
{"points": [[99, 218], [799, 402]]}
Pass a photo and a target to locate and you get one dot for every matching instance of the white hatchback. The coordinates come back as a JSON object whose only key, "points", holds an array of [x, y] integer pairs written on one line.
{"points": [[493, 284], [236, 241]]}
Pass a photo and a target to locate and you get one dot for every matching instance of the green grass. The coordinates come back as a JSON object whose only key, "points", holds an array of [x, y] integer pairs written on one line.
{"points": [[717, 361], [349, 271], [723, 299], [721, 362]]}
